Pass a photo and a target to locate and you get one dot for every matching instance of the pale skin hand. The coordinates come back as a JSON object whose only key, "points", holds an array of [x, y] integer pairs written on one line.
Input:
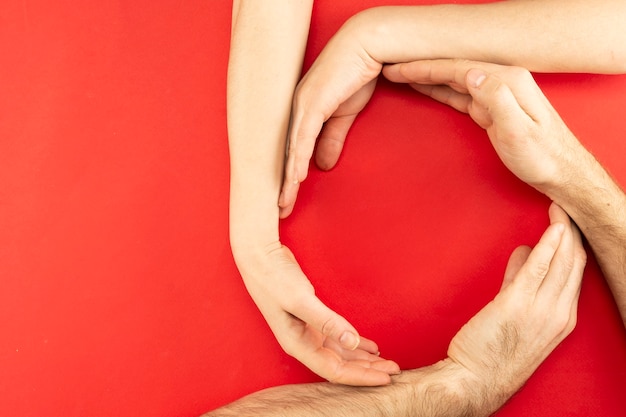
{"points": [[267, 49], [535, 144], [310, 331], [342, 79], [490, 358]]}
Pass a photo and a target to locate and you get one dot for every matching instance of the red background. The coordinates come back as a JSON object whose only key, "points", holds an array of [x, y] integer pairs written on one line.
{"points": [[118, 293]]}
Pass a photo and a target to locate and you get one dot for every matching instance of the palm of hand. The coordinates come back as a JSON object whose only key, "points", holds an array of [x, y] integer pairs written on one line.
{"points": [[308, 330]]}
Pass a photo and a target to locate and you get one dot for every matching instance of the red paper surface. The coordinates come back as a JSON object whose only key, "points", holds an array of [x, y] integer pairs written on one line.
{"points": [[118, 293]]}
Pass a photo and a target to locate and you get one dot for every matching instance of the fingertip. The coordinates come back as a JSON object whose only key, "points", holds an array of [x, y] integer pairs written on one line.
{"points": [[554, 209], [558, 215], [284, 208], [324, 160], [378, 378], [287, 198], [281, 198], [369, 346], [382, 380], [365, 373], [386, 365], [475, 77], [392, 72], [394, 368], [284, 212]]}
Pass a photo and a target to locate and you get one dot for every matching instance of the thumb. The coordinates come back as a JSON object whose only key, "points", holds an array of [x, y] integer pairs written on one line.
{"points": [[331, 141], [333, 134], [493, 100], [329, 323]]}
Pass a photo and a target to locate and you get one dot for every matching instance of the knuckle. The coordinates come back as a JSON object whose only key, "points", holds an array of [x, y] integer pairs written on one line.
{"points": [[500, 91], [336, 375], [329, 326], [563, 323], [293, 304], [571, 324], [520, 74], [287, 339], [299, 297], [540, 270], [568, 264], [461, 61], [560, 322]]}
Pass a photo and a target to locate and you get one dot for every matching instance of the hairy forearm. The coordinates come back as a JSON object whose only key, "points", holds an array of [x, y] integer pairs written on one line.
{"points": [[443, 389], [541, 35], [267, 48], [598, 205]]}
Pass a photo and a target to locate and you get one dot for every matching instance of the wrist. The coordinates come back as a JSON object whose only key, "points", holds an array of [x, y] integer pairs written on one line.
{"points": [[447, 388], [251, 248], [253, 224], [589, 195], [481, 395], [394, 34], [376, 30], [251, 241]]}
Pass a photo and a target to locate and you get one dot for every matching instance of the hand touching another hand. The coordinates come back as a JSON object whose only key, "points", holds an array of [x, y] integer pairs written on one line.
{"points": [[326, 102], [536, 309], [536, 145], [525, 130], [307, 329], [488, 359]]}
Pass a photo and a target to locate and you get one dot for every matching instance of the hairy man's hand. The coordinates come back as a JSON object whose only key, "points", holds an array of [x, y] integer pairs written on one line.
{"points": [[534, 311], [527, 133]]}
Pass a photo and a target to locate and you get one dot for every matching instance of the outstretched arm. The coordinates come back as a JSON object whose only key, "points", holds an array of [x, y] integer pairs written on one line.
{"points": [[438, 390], [489, 359], [536, 145], [541, 35], [267, 47]]}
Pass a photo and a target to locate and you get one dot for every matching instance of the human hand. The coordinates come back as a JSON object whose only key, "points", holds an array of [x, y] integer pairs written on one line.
{"points": [[534, 311], [525, 130], [326, 102], [306, 328]]}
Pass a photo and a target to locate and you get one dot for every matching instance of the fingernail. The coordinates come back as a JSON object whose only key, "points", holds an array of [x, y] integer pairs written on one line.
{"points": [[349, 340], [475, 78]]}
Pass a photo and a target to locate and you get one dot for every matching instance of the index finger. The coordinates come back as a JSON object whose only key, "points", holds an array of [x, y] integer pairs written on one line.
{"points": [[537, 266], [451, 72], [566, 269], [302, 135]]}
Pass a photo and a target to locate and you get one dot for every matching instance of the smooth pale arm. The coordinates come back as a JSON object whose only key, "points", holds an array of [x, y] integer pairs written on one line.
{"points": [[541, 35], [266, 54]]}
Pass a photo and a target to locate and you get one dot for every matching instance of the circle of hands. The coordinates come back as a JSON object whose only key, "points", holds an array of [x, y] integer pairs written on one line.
{"points": [[537, 305]]}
